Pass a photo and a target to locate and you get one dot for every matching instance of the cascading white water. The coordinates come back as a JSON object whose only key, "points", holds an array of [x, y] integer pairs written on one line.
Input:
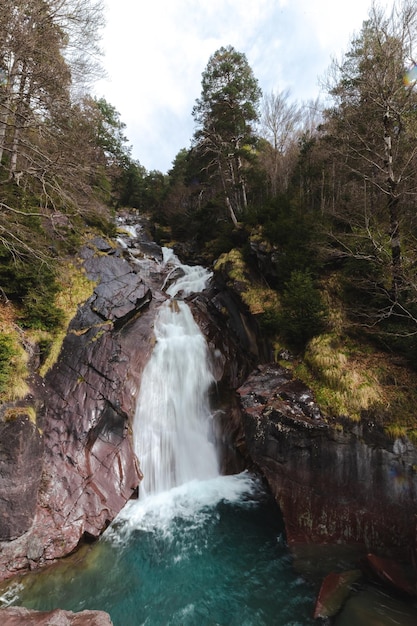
{"points": [[172, 421], [205, 551]]}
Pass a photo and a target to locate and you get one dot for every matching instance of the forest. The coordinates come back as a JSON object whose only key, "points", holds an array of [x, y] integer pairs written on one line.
{"points": [[308, 209]]}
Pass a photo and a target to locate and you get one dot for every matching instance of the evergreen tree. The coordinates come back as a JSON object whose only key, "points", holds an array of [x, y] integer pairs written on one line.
{"points": [[225, 114]]}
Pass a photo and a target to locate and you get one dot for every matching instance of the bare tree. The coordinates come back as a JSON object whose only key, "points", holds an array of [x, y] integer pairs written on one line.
{"points": [[280, 121], [43, 46], [371, 130]]}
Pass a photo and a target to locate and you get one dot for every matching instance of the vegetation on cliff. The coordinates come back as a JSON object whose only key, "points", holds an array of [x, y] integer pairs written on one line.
{"points": [[63, 154]]}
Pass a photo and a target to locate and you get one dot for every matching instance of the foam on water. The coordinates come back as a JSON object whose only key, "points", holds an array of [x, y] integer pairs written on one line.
{"points": [[194, 278], [191, 502]]}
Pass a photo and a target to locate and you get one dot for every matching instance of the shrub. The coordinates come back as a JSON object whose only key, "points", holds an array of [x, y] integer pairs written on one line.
{"points": [[303, 313], [7, 352], [40, 311]]}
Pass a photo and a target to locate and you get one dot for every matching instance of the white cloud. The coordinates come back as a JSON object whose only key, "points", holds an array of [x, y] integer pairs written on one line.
{"points": [[157, 50]]}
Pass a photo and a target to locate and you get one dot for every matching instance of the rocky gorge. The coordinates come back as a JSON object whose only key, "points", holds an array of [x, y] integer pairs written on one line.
{"points": [[65, 475]]}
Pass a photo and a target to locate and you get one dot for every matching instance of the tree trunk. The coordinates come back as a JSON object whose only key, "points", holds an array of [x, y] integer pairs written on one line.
{"points": [[18, 122], [393, 210], [226, 195], [6, 108], [395, 243]]}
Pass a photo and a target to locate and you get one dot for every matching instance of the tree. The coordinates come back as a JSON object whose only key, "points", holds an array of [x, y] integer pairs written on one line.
{"points": [[224, 115], [279, 122], [371, 128], [38, 116], [45, 48]]}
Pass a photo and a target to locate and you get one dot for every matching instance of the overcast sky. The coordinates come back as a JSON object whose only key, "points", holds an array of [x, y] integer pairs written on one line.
{"points": [[156, 50]]}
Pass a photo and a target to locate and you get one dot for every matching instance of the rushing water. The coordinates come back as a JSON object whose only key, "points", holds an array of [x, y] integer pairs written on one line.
{"points": [[203, 554], [197, 548]]}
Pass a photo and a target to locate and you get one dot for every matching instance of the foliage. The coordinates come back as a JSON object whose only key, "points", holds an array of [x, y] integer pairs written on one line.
{"points": [[303, 312], [13, 364], [110, 133], [7, 352], [260, 300], [76, 288], [225, 114], [370, 131], [32, 282]]}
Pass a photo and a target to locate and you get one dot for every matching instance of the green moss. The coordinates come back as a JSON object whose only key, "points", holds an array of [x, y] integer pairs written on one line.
{"points": [[76, 288], [7, 353], [13, 367], [260, 300]]}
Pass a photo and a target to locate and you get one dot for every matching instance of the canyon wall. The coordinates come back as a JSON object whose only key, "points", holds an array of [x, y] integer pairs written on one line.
{"points": [[337, 482]]}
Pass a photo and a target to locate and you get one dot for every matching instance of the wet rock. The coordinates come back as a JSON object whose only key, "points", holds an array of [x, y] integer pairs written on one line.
{"points": [[88, 469], [82, 470], [334, 591], [373, 607], [334, 483], [102, 245], [121, 299], [391, 573], [15, 616]]}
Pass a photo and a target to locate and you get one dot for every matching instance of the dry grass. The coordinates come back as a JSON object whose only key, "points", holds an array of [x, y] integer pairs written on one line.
{"points": [[76, 289], [258, 297], [16, 412], [345, 385]]}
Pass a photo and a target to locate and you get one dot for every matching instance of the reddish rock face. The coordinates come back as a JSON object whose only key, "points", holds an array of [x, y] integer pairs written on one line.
{"points": [[21, 451], [15, 616], [74, 479], [83, 469], [333, 485]]}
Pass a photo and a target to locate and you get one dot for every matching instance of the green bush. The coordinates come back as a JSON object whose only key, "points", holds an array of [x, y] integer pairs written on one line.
{"points": [[32, 284], [270, 321], [40, 311], [303, 313], [7, 352]]}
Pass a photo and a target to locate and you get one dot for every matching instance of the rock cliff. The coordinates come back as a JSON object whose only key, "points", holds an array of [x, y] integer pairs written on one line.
{"points": [[66, 475], [340, 482]]}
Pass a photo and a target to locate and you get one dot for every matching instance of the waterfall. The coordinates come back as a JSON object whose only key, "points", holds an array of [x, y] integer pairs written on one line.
{"points": [[172, 421]]}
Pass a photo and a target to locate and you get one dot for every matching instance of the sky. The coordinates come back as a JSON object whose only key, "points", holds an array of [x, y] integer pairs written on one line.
{"points": [[156, 50]]}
